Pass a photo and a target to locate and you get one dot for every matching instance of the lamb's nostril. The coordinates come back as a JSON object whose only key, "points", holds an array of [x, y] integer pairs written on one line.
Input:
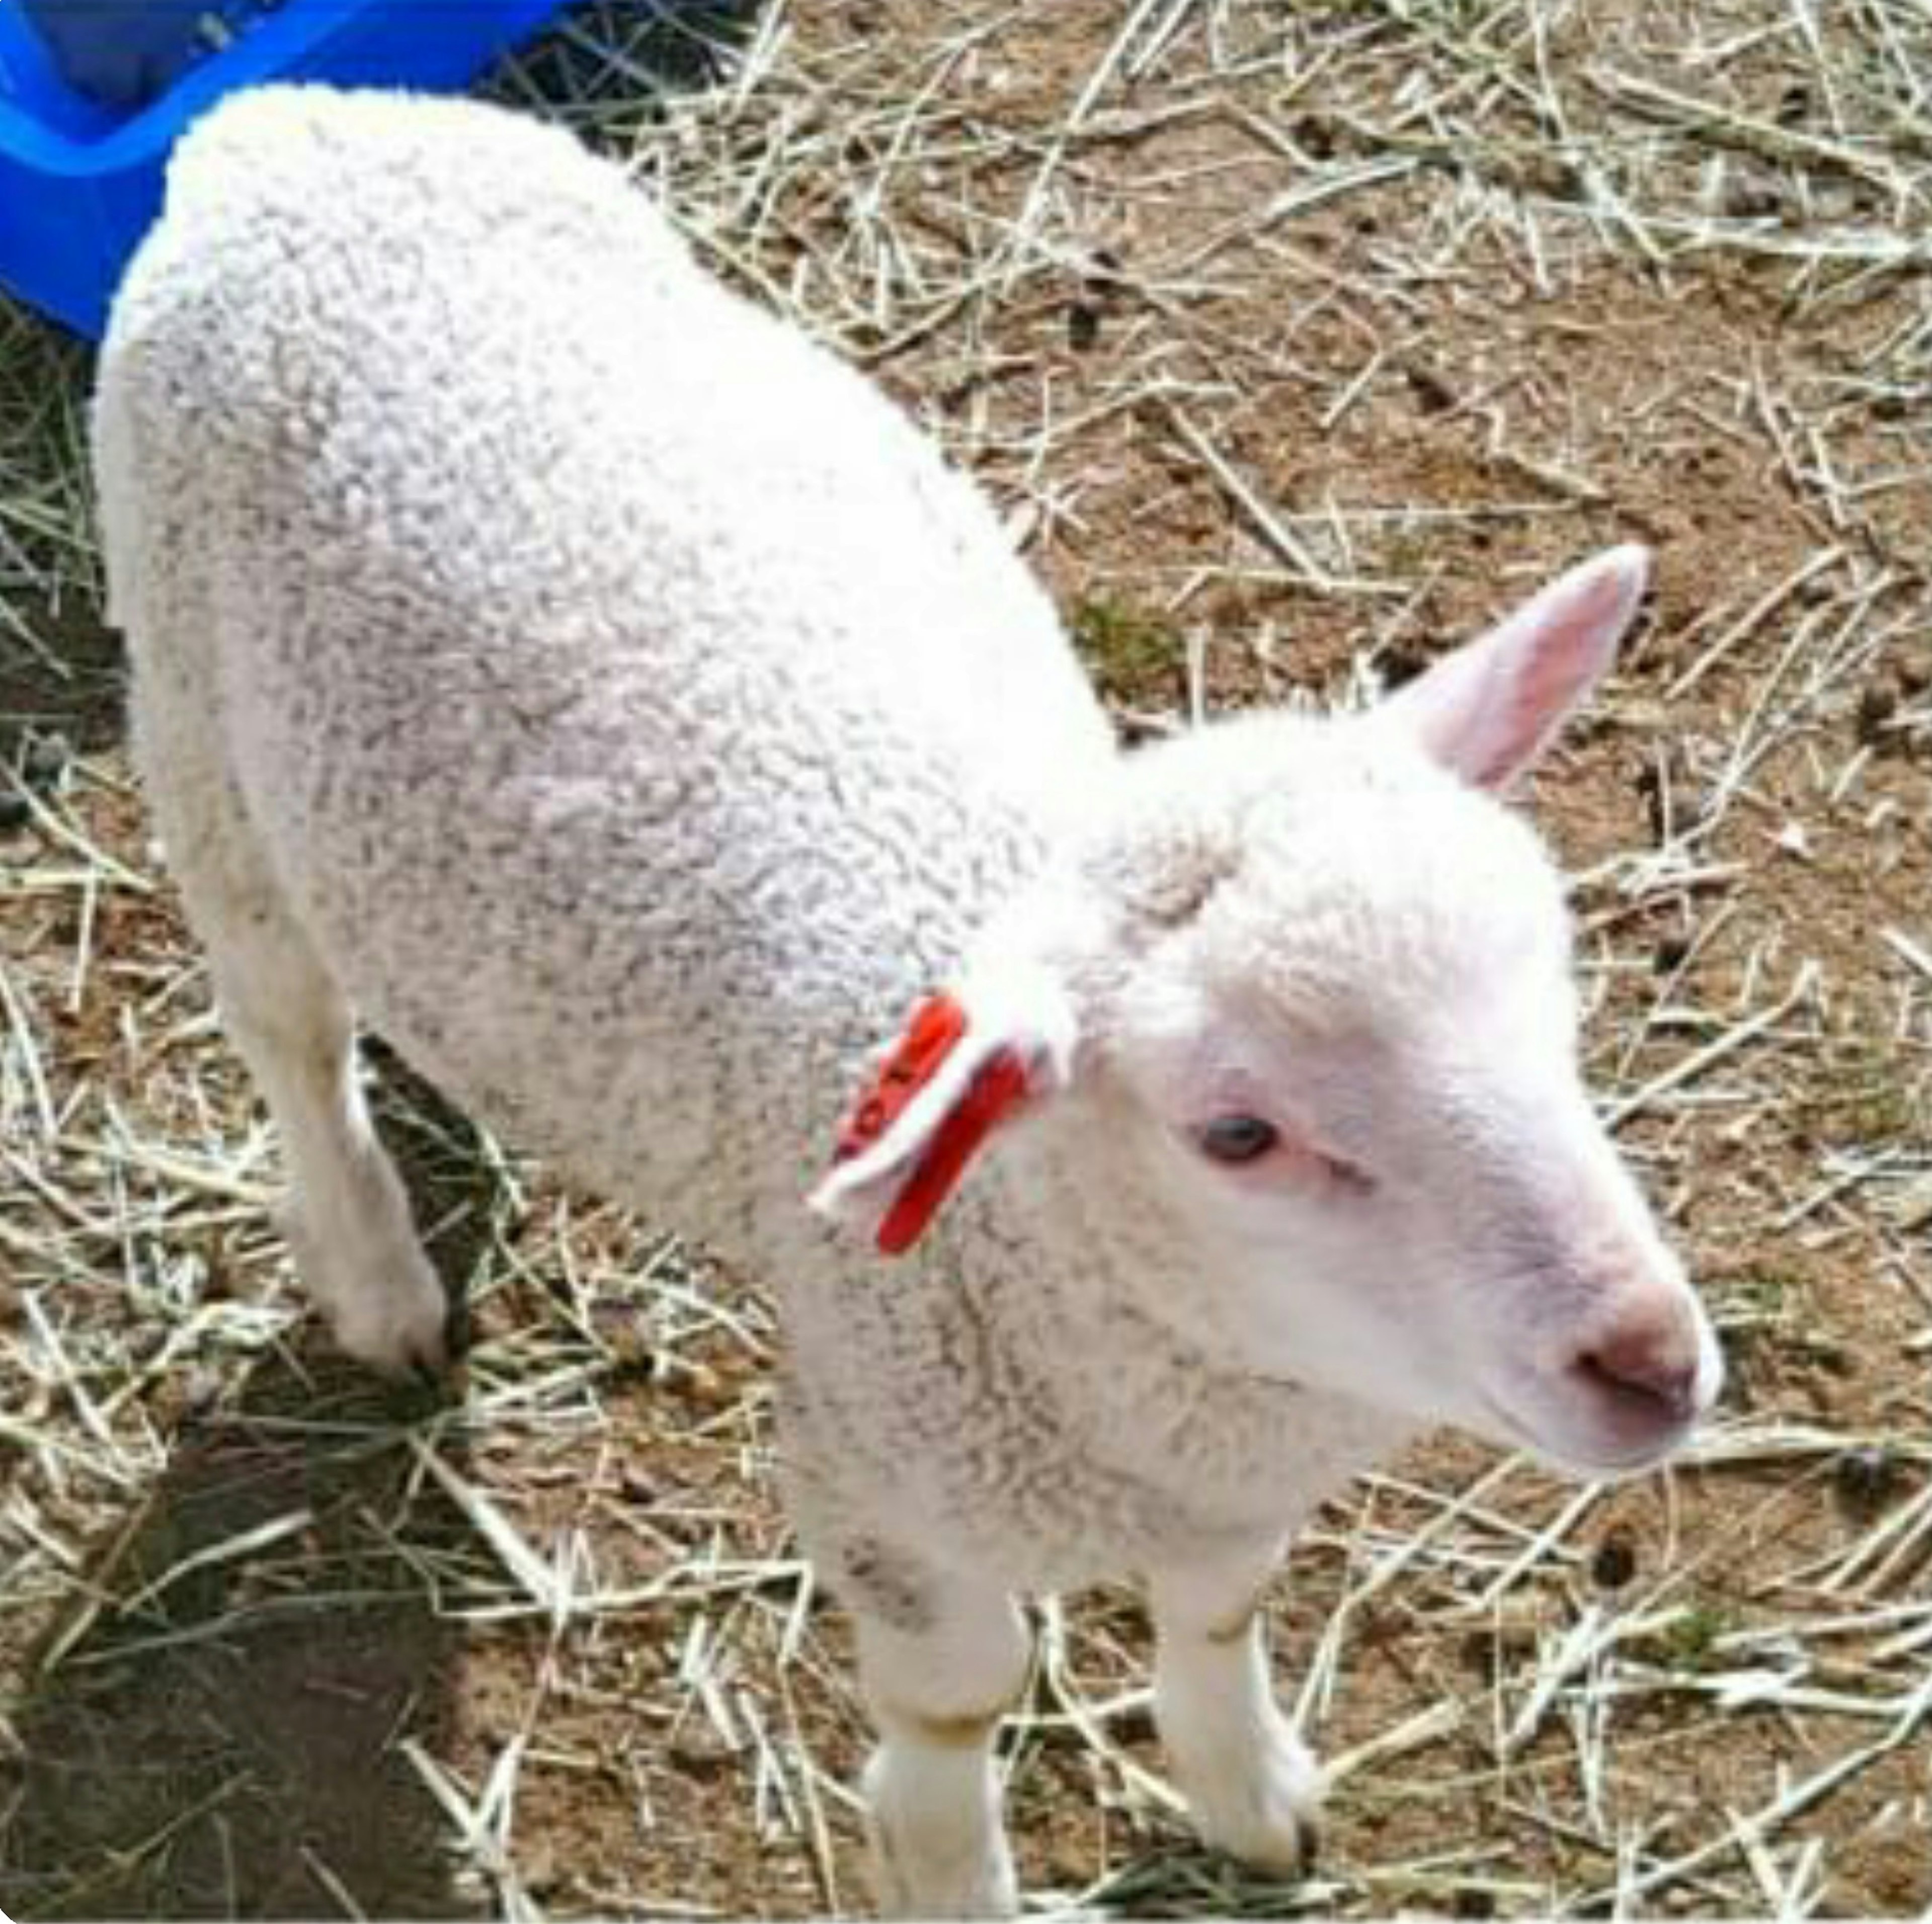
{"points": [[1659, 1374]]}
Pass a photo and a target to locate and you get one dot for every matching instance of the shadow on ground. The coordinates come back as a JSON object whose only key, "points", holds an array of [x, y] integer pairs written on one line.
{"points": [[62, 672], [219, 1731]]}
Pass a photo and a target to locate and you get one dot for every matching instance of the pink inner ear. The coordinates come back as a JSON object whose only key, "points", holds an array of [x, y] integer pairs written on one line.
{"points": [[1538, 675], [1547, 684], [1488, 710], [1568, 657]]}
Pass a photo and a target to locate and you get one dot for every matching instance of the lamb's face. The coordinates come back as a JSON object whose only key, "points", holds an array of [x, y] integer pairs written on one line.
{"points": [[1311, 982], [1349, 1079]]}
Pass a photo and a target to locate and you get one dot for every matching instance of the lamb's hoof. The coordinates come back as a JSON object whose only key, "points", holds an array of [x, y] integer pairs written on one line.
{"points": [[1269, 1817], [400, 1340], [385, 1308], [961, 1867], [942, 1888]]}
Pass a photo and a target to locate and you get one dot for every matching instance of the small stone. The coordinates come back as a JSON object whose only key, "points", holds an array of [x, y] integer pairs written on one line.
{"points": [[1314, 135], [1878, 703], [699, 1748], [188, 1405], [1433, 395], [1400, 665], [1672, 952], [695, 1383], [1751, 200], [1912, 1207], [45, 761], [15, 812], [1914, 669], [1615, 1562], [201, 1394], [1866, 1478]]}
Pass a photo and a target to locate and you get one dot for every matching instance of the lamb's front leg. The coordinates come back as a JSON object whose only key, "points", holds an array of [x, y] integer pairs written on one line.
{"points": [[941, 1659], [1253, 1788]]}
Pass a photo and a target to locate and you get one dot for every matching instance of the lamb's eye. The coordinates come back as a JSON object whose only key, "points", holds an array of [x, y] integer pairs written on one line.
{"points": [[1237, 1139]]}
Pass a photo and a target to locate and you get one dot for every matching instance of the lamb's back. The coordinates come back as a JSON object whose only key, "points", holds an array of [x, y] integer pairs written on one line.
{"points": [[637, 709]]}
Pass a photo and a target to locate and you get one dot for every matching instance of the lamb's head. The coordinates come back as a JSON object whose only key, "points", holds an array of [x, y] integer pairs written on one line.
{"points": [[1303, 1011]]}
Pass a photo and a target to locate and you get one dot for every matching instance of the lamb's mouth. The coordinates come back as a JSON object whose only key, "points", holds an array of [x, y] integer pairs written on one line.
{"points": [[1631, 1458]]}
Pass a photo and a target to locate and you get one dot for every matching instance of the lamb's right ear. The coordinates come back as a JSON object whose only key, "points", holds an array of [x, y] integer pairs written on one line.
{"points": [[1490, 710], [965, 1064]]}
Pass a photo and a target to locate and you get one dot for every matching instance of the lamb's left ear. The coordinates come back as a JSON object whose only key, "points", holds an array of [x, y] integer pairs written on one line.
{"points": [[966, 1061], [1488, 710]]}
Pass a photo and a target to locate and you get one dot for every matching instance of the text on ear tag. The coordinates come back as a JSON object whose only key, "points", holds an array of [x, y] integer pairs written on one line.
{"points": [[937, 1024]]}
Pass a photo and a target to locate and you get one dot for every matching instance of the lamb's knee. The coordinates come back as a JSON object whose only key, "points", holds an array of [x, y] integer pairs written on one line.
{"points": [[958, 1729], [947, 1670]]}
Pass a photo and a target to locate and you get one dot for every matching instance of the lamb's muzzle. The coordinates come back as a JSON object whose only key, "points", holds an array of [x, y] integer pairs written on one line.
{"points": [[1652, 1366]]}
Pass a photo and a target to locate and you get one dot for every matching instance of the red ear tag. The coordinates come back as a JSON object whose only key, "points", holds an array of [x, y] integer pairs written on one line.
{"points": [[999, 1086], [936, 1025]]}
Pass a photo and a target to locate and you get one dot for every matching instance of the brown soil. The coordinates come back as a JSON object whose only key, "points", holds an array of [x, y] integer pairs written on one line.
{"points": [[1476, 380]]}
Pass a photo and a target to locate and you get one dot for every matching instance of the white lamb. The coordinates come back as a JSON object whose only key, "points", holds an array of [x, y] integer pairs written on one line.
{"points": [[588, 683]]}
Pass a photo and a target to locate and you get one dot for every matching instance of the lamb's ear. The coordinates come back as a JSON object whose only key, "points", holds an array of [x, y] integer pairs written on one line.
{"points": [[966, 1062], [1488, 710]]}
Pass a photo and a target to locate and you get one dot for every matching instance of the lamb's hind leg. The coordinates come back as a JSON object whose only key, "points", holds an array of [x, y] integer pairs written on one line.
{"points": [[348, 1219]]}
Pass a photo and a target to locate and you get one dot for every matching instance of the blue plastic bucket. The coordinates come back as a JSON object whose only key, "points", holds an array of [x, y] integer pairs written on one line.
{"points": [[80, 183]]}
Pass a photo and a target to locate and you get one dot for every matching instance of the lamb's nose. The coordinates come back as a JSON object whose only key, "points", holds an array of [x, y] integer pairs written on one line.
{"points": [[1654, 1359]]}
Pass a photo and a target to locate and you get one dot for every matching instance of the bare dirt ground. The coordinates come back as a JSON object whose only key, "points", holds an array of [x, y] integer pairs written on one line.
{"points": [[1296, 341]]}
